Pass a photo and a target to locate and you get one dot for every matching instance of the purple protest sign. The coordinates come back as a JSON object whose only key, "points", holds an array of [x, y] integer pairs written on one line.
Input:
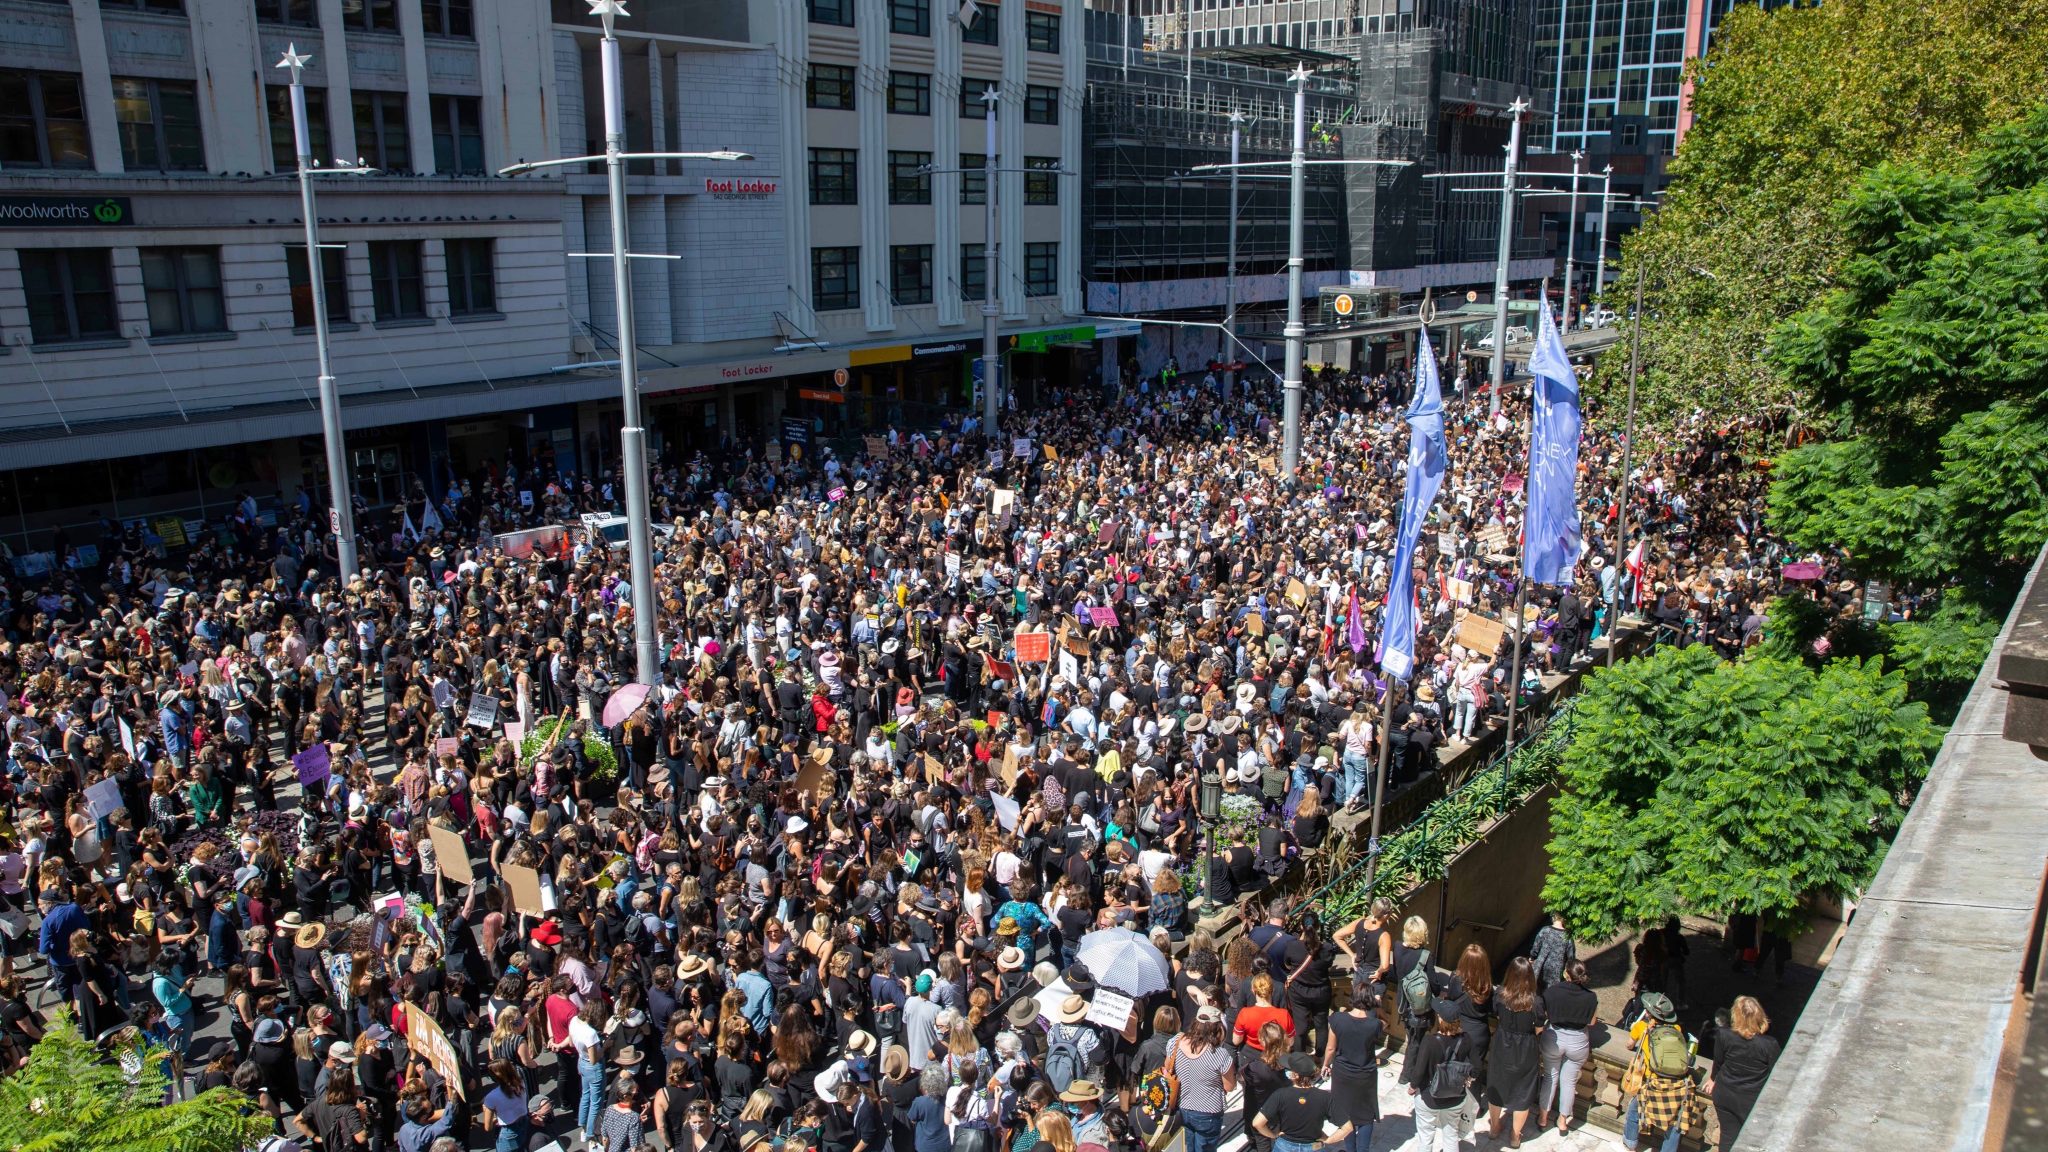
{"points": [[836, 494], [313, 765], [1102, 616]]}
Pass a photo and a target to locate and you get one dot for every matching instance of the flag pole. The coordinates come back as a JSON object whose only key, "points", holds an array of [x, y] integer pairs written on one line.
{"points": [[1628, 449], [1379, 784], [1522, 581]]}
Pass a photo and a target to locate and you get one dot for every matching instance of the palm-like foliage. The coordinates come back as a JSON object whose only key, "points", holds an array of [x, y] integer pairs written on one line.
{"points": [[69, 1098]]}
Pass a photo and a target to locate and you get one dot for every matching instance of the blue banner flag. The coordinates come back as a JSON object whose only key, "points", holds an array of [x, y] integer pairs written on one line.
{"points": [[1427, 457], [1551, 533]]}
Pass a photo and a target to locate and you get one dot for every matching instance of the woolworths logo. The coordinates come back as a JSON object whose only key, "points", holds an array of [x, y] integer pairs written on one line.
{"points": [[65, 211]]}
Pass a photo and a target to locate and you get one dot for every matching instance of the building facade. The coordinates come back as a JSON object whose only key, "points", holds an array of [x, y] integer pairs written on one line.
{"points": [[157, 356]]}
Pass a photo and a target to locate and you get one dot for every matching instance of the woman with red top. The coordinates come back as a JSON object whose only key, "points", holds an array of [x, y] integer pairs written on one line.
{"points": [[1262, 1011]]}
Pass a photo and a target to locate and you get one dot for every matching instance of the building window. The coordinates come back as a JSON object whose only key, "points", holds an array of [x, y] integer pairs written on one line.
{"points": [[831, 86], [166, 7], [835, 278], [447, 18], [369, 15], [910, 273], [395, 280], [381, 136], [284, 152], [159, 125], [983, 30], [908, 182], [972, 106], [182, 287], [833, 176], [973, 272], [472, 291], [70, 294], [1041, 104], [1042, 31], [1041, 268], [333, 281], [1041, 182], [290, 13], [839, 12], [910, 93], [1628, 136], [974, 178], [42, 121], [911, 17], [458, 135]]}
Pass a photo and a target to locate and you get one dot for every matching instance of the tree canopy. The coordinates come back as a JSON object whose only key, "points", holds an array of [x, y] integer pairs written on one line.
{"points": [[1790, 108], [1701, 786]]}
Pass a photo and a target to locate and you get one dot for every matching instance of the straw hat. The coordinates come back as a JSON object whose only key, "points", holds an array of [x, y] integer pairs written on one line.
{"points": [[310, 936], [1082, 1092], [1072, 1010]]}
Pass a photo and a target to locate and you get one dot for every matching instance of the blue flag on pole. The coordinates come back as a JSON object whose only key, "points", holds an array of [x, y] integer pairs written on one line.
{"points": [[1551, 534], [1427, 457]]}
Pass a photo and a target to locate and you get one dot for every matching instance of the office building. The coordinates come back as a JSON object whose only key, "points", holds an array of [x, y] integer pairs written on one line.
{"points": [[156, 347]]}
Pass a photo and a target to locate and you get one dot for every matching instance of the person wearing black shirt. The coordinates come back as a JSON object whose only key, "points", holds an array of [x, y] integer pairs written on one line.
{"points": [[1743, 1055], [1573, 1009], [1293, 1117], [1352, 1063], [1439, 1100]]}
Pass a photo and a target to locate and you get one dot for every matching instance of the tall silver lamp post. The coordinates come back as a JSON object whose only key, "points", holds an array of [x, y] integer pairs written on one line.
{"points": [[1500, 265], [632, 437], [991, 257], [341, 512]]}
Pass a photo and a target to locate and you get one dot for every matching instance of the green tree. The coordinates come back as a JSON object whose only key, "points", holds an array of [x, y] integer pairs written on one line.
{"points": [[67, 1098], [1696, 785], [1789, 110]]}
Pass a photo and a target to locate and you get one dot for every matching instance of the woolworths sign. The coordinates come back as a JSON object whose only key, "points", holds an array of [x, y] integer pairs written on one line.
{"points": [[65, 211]]}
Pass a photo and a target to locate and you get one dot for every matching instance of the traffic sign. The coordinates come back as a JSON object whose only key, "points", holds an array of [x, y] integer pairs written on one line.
{"points": [[1343, 304]]}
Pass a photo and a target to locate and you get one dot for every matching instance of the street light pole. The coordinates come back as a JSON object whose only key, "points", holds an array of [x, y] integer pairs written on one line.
{"points": [[1600, 260], [341, 512], [1628, 450], [1500, 267], [991, 257], [1296, 333], [632, 437], [1571, 241], [1230, 270]]}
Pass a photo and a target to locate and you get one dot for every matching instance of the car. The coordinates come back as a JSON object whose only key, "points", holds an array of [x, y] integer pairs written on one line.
{"points": [[1600, 318], [1517, 334], [612, 529]]}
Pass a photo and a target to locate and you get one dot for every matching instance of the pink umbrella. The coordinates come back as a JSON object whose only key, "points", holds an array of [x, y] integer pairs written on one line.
{"points": [[624, 703]]}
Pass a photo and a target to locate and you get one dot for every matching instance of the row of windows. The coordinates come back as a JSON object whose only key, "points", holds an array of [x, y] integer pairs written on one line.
{"points": [[71, 290], [42, 125], [835, 274], [437, 17], [835, 177], [914, 18], [910, 94]]}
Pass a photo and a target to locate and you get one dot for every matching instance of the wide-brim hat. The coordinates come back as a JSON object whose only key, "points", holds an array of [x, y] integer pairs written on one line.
{"points": [[1072, 1010], [1230, 724], [891, 646], [310, 936], [291, 922], [1010, 959], [1657, 1006], [861, 1043], [1247, 692], [1196, 724], [692, 967], [821, 756], [1079, 978], [628, 1056], [1023, 1012], [1082, 1092]]}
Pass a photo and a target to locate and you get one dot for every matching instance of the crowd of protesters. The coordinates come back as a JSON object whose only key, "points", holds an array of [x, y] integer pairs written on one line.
{"points": [[824, 888]]}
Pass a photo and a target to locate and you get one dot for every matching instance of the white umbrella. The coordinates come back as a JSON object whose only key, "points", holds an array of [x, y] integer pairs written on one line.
{"points": [[1126, 961]]}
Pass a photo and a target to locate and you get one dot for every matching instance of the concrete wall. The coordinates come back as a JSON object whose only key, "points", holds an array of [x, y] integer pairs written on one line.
{"points": [[1492, 893]]}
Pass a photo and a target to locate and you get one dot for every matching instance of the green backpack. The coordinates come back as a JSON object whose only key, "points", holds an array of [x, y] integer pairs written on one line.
{"points": [[1669, 1055]]}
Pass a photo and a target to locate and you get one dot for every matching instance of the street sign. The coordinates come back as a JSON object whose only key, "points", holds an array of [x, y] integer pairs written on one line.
{"points": [[1343, 304]]}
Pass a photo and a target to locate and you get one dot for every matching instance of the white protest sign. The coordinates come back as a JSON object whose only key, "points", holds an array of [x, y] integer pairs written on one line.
{"points": [[483, 711], [103, 798], [1008, 811], [1112, 1010]]}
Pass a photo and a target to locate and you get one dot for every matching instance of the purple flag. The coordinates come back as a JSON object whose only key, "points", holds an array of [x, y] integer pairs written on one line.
{"points": [[1354, 623]]}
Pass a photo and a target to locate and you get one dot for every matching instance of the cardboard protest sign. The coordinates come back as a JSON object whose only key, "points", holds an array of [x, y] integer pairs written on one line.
{"points": [[1492, 540], [1255, 624], [1010, 769], [424, 1036], [483, 711], [1481, 634], [933, 770], [1459, 590], [526, 892], [1077, 645], [999, 502], [814, 778], [451, 854], [1297, 592], [1034, 647], [876, 445], [1052, 453]]}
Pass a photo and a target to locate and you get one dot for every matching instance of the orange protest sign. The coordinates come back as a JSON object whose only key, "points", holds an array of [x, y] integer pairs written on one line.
{"points": [[1034, 647]]}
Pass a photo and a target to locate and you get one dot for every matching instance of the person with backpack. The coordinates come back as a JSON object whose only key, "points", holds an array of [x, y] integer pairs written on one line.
{"points": [[1658, 1084], [1438, 1071], [1207, 1075], [1155, 1098], [1414, 979], [1073, 1050]]}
